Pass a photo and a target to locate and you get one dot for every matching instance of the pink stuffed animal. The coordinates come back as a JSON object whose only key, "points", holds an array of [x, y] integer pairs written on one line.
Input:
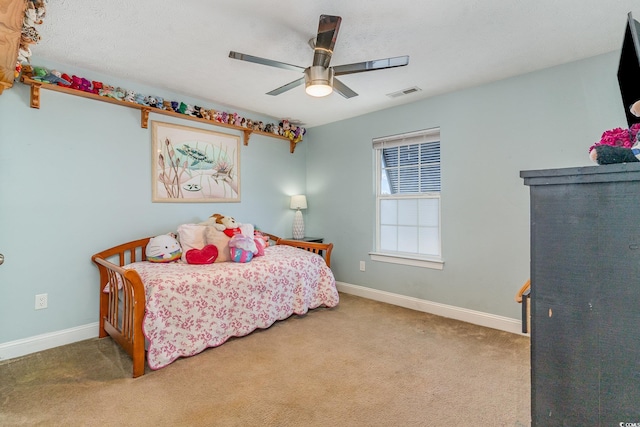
{"points": [[76, 82]]}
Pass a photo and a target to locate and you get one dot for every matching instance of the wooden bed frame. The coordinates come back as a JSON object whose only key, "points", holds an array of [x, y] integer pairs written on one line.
{"points": [[121, 316]]}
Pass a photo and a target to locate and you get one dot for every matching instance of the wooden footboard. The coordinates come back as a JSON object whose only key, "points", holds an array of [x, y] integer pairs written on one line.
{"points": [[122, 306], [121, 315]]}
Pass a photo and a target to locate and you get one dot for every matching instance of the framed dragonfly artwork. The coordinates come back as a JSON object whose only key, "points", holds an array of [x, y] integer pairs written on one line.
{"points": [[194, 165]]}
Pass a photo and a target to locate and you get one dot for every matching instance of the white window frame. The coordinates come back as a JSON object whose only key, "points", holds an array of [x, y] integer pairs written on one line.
{"points": [[405, 258]]}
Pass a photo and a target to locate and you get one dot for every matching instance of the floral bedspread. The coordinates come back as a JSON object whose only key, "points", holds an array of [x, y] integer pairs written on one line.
{"points": [[193, 307]]}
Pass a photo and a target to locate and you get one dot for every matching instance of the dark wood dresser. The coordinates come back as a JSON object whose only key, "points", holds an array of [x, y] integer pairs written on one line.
{"points": [[585, 295]]}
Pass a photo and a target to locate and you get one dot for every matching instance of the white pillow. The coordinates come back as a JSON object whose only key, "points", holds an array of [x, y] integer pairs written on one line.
{"points": [[191, 236], [220, 240]]}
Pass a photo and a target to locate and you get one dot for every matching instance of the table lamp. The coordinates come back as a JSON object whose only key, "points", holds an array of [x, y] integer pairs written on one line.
{"points": [[298, 202]]}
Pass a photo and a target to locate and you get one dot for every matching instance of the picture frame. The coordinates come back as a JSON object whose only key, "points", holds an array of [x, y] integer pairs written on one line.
{"points": [[193, 165]]}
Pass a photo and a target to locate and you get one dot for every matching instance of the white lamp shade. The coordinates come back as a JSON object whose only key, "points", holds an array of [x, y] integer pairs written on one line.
{"points": [[299, 202]]}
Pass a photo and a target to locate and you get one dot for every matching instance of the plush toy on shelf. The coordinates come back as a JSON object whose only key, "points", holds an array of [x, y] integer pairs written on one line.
{"points": [[140, 99], [286, 128], [154, 101], [85, 85], [111, 92], [96, 86], [53, 77], [618, 145], [205, 114], [66, 78], [130, 96], [80, 83], [298, 133]]}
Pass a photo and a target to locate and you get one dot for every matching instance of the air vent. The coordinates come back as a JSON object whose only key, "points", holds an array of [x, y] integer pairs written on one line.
{"points": [[404, 92]]}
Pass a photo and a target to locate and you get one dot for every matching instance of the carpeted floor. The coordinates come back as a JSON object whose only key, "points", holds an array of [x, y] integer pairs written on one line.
{"points": [[363, 363]]}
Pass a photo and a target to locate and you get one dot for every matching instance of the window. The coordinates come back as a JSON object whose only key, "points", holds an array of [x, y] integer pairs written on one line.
{"points": [[408, 198]]}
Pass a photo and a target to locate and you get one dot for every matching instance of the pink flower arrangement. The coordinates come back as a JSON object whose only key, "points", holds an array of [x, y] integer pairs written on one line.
{"points": [[619, 137]]}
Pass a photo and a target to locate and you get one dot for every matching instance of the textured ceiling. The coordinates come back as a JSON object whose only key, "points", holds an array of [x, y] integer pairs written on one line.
{"points": [[183, 46]]}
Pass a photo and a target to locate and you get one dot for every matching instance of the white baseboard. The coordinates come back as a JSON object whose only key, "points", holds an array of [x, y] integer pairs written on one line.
{"points": [[470, 316], [17, 348]]}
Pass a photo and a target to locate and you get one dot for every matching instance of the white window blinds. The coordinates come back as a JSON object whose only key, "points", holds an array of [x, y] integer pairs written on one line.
{"points": [[410, 163]]}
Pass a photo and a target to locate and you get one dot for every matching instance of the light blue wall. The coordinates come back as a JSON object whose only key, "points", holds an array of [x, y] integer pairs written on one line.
{"points": [[75, 178], [68, 169], [546, 119]]}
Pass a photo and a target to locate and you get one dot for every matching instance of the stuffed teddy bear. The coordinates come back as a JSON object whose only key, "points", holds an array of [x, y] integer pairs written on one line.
{"points": [[298, 134], [67, 80], [151, 101], [618, 145], [76, 82], [96, 86], [228, 225], [85, 84], [130, 96], [164, 248], [286, 128], [186, 109], [197, 111], [140, 99], [106, 90], [111, 92], [52, 77]]}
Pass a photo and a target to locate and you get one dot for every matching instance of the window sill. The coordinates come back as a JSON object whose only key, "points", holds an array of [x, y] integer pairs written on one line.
{"points": [[407, 260]]}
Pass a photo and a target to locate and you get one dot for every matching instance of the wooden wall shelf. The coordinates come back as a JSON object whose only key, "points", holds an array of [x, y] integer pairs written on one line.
{"points": [[144, 109]]}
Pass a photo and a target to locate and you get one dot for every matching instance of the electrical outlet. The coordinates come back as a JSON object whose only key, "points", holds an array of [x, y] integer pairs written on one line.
{"points": [[361, 265], [41, 301]]}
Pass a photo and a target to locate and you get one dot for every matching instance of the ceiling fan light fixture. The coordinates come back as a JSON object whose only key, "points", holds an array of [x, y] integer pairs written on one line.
{"points": [[318, 81]]}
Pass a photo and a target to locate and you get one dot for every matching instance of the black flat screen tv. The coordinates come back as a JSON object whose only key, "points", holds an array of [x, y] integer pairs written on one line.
{"points": [[629, 68]]}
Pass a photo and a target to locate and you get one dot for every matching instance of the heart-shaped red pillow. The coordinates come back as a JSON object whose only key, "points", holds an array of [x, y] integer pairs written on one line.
{"points": [[206, 255]]}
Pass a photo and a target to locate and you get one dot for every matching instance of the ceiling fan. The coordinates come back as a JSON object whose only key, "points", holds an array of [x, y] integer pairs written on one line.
{"points": [[319, 77]]}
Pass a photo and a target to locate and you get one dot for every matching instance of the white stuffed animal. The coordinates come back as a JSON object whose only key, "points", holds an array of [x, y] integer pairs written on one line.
{"points": [[164, 248]]}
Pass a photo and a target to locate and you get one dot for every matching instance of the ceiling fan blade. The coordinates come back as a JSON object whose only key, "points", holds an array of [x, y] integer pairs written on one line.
{"points": [[326, 39], [378, 64], [264, 61], [343, 89], [286, 87]]}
